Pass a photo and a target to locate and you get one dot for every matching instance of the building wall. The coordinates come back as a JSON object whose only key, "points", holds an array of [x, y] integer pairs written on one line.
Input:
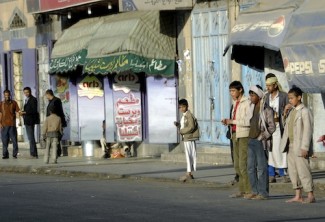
{"points": [[7, 10]]}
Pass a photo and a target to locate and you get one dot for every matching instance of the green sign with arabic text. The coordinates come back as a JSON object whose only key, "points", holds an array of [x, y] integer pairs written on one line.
{"points": [[68, 63], [124, 62]]}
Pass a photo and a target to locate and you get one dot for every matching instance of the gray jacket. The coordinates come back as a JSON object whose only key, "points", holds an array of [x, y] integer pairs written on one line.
{"points": [[283, 101]]}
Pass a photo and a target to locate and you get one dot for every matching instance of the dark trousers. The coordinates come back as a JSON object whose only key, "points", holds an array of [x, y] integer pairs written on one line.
{"points": [[9, 132], [58, 147], [30, 129]]}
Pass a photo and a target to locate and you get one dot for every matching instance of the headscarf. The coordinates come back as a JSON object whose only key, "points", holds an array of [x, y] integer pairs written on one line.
{"points": [[257, 90], [274, 80]]}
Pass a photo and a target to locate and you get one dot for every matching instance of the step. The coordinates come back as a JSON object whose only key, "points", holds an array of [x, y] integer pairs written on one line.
{"points": [[206, 158]]}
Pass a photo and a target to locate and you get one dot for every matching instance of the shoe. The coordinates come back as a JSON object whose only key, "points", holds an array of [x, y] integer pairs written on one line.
{"points": [[186, 178], [272, 179], [237, 195], [5, 157], [259, 197], [286, 179], [15, 157], [249, 196]]}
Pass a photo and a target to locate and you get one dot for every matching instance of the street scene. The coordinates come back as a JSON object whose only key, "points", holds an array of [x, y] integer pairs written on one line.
{"points": [[91, 198], [178, 110]]}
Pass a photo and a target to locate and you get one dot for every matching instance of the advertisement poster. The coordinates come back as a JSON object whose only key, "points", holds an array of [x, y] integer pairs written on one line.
{"points": [[162, 110], [127, 103], [91, 107]]}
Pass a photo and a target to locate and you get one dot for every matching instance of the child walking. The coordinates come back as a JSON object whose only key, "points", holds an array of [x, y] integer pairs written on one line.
{"points": [[298, 134], [189, 131], [52, 130]]}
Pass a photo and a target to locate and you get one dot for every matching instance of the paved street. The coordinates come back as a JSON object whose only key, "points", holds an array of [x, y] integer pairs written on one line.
{"points": [[55, 198]]}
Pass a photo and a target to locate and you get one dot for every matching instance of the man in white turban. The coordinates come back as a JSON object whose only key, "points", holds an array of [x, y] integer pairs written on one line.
{"points": [[277, 100]]}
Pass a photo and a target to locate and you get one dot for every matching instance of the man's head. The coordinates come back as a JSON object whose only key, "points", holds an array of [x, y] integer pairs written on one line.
{"points": [[272, 84], [7, 95], [27, 91], [256, 93], [49, 94], [295, 96], [183, 105], [236, 90]]}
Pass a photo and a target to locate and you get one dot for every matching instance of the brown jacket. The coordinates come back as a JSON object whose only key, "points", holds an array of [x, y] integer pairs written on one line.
{"points": [[8, 110], [190, 131], [52, 126]]}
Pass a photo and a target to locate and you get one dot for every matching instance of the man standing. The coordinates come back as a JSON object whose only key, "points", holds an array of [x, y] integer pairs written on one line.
{"points": [[8, 110], [31, 118], [56, 103], [277, 100]]}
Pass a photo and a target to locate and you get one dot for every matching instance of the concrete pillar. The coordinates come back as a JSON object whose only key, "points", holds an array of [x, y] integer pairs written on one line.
{"points": [[233, 11]]}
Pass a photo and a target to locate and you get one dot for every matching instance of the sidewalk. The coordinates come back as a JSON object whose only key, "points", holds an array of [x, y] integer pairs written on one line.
{"points": [[133, 168]]}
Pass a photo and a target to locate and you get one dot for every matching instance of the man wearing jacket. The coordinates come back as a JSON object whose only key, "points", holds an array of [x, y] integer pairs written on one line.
{"points": [[56, 103], [8, 111], [31, 118], [277, 99]]}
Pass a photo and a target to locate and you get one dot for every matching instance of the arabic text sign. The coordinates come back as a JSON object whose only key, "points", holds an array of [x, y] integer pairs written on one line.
{"points": [[128, 116], [71, 62], [126, 62]]}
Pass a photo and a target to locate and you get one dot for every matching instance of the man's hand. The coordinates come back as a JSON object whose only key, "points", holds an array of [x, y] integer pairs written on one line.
{"points": [[177, 124], [322, 139], [287, 108], [226, 122], [304, 153]]}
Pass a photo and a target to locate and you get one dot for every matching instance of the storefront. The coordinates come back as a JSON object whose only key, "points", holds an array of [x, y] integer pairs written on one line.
{"points": [[121, 69]]}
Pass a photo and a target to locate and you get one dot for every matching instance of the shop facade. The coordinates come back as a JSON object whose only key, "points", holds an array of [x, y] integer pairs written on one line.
{"points": [[131, 83]]}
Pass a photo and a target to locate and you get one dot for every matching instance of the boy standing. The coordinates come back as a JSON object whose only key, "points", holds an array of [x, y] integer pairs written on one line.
{"points": [[52, 130], [297, 135], [189, 131], [261, 128], [239, 134]]}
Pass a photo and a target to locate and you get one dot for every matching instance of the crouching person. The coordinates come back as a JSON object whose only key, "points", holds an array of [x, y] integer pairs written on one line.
{"points": [[52, 130], [261, 128]]}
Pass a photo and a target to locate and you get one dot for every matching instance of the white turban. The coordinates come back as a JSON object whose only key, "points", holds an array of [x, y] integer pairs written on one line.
{"points": [[257, 90]]}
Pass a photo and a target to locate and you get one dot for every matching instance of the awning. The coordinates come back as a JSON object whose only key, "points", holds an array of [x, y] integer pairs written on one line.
{"points": [[261, 26], [303, 49], [71, 48], [296, 28], [126, 41]]}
